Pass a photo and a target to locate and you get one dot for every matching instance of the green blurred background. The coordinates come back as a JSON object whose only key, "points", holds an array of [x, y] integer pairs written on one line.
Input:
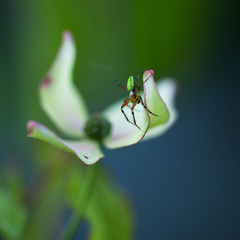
{"points": [[196, 42], [182, 39]]}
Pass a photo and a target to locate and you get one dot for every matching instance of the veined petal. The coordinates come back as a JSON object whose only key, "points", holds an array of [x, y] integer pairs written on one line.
{"points": [[59, 97], [167, 89], [86, 150], [153, 100]]}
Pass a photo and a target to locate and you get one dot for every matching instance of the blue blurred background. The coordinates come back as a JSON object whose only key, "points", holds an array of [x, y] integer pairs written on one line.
{"points": [[184, 185]]}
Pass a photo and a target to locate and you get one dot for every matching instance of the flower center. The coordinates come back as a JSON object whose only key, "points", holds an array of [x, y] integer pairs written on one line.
{"points": [[97, 127]]}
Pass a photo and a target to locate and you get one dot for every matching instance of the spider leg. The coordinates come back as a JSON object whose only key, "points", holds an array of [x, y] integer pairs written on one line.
{"points": [[147, 108], [126, 102], [135, 82], [136, 110], [140, 74], [118, 82], [139, 87], [134, 120]]}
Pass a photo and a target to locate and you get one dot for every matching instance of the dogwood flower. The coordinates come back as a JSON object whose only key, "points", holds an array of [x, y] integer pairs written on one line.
{"points": [[65, 106]]}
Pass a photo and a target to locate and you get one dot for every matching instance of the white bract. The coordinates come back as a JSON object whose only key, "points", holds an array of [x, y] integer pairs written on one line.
{"points": [[65, 106]]}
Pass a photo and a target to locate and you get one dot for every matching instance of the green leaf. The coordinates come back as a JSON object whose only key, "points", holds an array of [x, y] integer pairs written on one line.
{"points": [[44, 197], [12, 216], [86, 150], [108, 213], [59, 97]]}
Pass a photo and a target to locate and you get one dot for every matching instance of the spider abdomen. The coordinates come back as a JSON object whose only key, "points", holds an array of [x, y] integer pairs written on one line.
{"points": [[130, 83]]}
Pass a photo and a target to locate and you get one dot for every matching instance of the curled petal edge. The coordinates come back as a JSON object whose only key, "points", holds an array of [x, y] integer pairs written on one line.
{"points": [[86, 150], [153, 100], [167, 88]]}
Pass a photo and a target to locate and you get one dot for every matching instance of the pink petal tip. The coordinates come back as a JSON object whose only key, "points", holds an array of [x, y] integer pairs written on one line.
{"points": [[30, 126], [67, 34], [151, 71]]}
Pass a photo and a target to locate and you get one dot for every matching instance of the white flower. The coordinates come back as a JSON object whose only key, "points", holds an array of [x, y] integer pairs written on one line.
{"points": [[65, 106]]}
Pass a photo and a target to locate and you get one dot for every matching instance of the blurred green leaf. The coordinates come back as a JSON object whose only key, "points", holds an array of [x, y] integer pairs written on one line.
{"points": [[12, 215], [44, 197], [108, 213]]}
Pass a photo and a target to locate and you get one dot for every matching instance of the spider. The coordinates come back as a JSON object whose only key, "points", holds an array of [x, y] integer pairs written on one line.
{"points": [[134, 96]]}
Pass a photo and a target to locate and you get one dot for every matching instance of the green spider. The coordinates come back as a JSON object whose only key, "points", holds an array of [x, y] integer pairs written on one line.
{"points": [[134, 96]]}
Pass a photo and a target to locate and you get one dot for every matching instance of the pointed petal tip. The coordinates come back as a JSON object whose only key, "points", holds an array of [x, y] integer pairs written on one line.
{"points": [[151, 71], [147, 73], [90, 163], [88, 151], [31, 124], [67, 34], [30, 127]]}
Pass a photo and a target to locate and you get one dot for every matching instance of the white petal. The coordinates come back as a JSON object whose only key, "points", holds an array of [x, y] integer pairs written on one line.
{"points": [[86, 150], [123, 133], [59, 97]]}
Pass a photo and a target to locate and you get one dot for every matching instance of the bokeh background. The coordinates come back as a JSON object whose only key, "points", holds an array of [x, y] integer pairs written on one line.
{"points": [[184, 185]]}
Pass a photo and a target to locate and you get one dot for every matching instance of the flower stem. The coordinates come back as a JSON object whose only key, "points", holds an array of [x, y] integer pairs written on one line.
{"points": [[81, 204]]}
